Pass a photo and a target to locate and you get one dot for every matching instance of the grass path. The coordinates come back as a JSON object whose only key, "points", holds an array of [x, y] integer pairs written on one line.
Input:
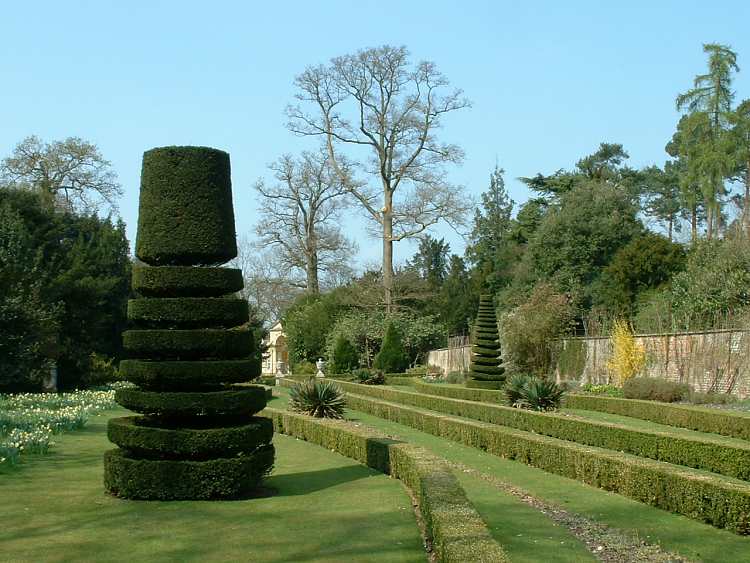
{"points": [[328, 509], [672, 532]]}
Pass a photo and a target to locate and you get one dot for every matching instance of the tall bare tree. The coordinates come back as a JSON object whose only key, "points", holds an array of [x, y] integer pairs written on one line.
{"points": [[381, 113], [299, 216], [72, 173], [268, 288]]}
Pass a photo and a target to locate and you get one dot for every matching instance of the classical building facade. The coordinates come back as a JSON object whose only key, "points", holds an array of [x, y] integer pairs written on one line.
{"points": [[276, 356]]}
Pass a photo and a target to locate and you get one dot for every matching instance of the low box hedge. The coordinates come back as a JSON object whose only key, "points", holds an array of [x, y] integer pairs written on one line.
{"points": [[400, 379], [695, 418], [235, 401], [183, 375], [188, 344], [188, 312], [138, 437], [185, 281], [485, 384], [698, 495], [715, 456], [150, 479], [479, 395], [457, 531]]}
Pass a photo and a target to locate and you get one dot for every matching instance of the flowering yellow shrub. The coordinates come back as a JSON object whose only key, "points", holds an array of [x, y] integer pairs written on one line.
{"points": [[628, 356]]}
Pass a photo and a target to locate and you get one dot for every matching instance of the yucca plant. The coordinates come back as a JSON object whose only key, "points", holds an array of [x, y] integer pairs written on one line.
{"points": [[514, 388], [321, 399], [534, 393]]}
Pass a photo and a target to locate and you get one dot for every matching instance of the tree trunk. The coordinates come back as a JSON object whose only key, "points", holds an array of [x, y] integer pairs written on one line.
{"points": [[670, 224], [388, 250], [694, 224], [709, 221], [746, 202], [313, 286], [311, 259]]}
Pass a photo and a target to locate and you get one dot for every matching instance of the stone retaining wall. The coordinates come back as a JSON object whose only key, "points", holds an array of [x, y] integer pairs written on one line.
{"points": [[717, 361]]}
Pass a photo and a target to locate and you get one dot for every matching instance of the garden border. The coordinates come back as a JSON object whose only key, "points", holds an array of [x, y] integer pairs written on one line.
{"points": [[729, 460], [455, 527], [697, 495]]}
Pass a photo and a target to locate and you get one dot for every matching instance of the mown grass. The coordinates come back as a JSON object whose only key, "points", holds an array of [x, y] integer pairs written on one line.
{"points": [[673, 532], [328, 508]]}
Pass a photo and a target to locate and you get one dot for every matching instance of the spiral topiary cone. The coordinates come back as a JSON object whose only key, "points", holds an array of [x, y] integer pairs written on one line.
{"points": [[197, 436], [486, 370]]}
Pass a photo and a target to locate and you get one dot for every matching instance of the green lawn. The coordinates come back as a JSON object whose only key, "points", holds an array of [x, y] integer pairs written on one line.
{"points": [[328, 508], [673, 532]]}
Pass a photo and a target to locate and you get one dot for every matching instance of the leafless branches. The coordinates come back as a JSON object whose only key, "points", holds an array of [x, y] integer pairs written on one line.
{"points": [[374, 105], [299, 216], [72, 174]]}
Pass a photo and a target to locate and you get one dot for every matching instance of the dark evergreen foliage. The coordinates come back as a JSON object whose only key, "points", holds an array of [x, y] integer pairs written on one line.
{"points": [[63, 291], [486, 370], [198, 438], [185, 215], [392, 357], [345, 356]]}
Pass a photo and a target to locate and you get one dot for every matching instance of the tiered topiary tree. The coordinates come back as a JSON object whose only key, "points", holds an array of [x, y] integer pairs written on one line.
{"points": [[486, 370], [197, 436]]}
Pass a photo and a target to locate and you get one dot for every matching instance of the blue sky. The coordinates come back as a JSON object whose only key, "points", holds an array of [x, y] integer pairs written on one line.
{"points": [[548, 80]]}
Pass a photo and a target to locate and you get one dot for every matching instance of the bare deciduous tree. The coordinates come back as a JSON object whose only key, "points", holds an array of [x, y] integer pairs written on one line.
{"points": [[72, 174], [374, 102], [268, 289], [299, 216]]}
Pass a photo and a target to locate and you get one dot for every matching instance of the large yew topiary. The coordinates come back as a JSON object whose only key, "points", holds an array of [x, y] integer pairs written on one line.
{"points": [[486, 370], [197, 436]]}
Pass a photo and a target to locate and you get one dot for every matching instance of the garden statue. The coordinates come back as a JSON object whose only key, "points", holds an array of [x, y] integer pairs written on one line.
{"points": [[320, 364], [197, 436]]}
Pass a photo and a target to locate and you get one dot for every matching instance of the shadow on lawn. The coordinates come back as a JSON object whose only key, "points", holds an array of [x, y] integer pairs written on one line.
{"points": [[293, 484]]}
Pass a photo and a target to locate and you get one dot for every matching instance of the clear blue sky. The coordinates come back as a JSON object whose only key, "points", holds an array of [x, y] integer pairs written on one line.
{"points": [[549, 80]]}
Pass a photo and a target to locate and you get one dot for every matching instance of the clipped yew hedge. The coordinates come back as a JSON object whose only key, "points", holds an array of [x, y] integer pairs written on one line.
{"points": [[185, 281], [187, 312], [136, 435], [167, 479], [480, 395], [457, 531], [185, 212], [719, 501], [187, 374], [694, 418], [188, 344], [730, 460], [235, 401], [486, 370]]}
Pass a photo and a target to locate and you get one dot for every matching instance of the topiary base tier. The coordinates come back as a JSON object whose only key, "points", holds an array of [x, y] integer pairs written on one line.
{"points": [[221, 478], [484, 384]]}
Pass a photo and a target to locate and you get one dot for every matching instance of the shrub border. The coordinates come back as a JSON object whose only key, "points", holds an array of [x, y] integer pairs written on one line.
{"points": [[457, 530], [694, 494], [693, 418], [729, 460]]}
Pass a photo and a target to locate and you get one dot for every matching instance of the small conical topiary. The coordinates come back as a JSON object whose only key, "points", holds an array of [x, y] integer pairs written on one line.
{"points": [[345, 357], [486, 370], [197, 436], [392, 357]]}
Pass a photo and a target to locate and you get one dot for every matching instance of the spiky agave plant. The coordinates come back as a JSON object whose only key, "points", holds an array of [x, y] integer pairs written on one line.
{"points": [[321, 399], [534, 393]]}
